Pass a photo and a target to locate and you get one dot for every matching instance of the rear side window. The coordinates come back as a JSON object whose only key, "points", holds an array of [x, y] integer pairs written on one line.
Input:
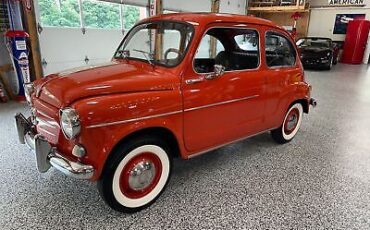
{"points": [[247, 42], [279, 50]]}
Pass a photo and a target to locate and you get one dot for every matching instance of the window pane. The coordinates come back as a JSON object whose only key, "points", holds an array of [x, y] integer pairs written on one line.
{"points": [[279, 50], [164, 43], [241, 50], [204, 49], [247, 42], [133, 14], [171, 40], [64, 14], [99, 14]]}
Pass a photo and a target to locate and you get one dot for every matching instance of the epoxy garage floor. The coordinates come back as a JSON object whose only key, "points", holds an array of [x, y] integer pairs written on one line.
{"points": [[321, 180]]}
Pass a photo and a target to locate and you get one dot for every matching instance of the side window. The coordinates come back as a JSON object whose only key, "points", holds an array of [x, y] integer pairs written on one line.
{"points": [[204, 49], [205, 55], [279, 50], [233, 48]]}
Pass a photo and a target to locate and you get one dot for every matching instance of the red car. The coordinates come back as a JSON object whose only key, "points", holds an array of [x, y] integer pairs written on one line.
{"points": [[179, 85]]}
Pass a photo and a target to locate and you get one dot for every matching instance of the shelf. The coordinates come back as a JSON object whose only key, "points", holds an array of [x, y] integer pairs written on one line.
{"points": [[278, 6]]}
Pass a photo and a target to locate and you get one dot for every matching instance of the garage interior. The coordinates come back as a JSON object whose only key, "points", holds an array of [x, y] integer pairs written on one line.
{"points": [[320, 180]]}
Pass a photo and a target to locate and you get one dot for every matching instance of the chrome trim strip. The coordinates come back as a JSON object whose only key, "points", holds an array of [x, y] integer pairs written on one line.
{"points": [[99, 87], [221, 103], [44, 114], [170, 113], [48, 124], [132, 120], [51, 134], [227, 143]]}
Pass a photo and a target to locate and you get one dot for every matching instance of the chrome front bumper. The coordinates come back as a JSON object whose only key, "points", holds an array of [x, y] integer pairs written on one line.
{"points": [[46, 155]]}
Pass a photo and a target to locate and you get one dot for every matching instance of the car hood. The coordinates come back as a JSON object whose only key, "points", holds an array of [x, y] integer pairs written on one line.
{"points": [[64, 88]]}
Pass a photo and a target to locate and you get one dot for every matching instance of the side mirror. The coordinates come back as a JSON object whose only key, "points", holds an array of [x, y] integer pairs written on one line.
{"points": [[218, 70]]}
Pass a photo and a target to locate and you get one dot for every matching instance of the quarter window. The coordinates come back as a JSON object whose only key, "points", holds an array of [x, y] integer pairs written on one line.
{"points": [[279, 50], [233, 48]]}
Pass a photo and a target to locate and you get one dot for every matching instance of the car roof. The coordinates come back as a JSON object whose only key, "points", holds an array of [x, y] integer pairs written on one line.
{"points": [[206, 18]]}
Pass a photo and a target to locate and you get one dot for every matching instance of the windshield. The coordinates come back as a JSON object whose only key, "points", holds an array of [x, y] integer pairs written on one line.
{"points": [[315, 42], [162, 42]]}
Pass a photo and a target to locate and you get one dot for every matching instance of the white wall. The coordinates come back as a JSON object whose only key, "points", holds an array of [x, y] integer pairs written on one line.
{"points": [[226, 6], [233, 6], [322, 21], [187, 5], [64, 48]]}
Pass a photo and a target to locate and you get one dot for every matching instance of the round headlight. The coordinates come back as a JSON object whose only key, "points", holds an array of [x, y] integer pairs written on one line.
{"points": [[328, 54], [70, 123]]}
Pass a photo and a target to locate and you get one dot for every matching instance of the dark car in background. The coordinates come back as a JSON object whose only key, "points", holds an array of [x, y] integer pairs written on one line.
{"points": [[316, 52]]}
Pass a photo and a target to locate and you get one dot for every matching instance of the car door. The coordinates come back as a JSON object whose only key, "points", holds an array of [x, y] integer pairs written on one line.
{"points": [[283, 71], [228, 107]]}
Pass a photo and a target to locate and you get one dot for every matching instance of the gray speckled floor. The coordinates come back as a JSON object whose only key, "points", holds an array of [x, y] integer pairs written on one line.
{"points": [[321, 180]]}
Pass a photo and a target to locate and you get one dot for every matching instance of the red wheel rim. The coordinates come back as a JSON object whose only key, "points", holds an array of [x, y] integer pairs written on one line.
{"points": [[291, 121], [140, 175]]}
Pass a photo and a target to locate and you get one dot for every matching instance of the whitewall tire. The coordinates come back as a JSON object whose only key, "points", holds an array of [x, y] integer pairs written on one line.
{"points": [[290, 126], [136, 174]]}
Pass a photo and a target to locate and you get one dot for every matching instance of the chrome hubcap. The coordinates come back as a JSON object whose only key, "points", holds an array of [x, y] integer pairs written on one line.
{"points": [[142, 175], [292, 122]]}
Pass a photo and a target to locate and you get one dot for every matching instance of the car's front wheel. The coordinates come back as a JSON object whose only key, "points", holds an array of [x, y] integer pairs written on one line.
{"points": [[291, 124], [330, 63], [136, 174]]}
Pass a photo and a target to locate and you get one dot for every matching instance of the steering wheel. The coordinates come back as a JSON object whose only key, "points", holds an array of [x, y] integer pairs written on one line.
{"points": [[171, 50]]}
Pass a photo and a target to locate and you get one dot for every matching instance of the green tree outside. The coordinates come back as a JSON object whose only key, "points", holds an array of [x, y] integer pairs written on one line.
{"points": [[65, 13], [68, 15]]}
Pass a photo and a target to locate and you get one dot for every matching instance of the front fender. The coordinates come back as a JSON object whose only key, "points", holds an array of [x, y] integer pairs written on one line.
{"points": [[105, 120]]}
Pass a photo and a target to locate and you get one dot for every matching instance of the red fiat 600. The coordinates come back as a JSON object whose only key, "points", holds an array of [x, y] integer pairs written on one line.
{"points": [[178, 85]]}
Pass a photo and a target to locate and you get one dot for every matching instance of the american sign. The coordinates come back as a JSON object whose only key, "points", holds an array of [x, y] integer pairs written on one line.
{"points": [[346, 2]]}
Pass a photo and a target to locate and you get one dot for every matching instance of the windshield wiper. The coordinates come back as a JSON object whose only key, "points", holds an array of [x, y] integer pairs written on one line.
{"points": [[147, 55]]}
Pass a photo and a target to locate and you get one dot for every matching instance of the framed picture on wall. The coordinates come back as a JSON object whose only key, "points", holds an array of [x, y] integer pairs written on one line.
{"points": [[341, 21]]}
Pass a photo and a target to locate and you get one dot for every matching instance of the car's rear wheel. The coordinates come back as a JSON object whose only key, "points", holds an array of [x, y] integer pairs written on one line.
{"points": [[136, 174], [291, 124]]}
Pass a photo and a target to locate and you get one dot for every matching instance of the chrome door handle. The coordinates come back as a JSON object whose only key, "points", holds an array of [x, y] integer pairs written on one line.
{"points": [[194, 80]]}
